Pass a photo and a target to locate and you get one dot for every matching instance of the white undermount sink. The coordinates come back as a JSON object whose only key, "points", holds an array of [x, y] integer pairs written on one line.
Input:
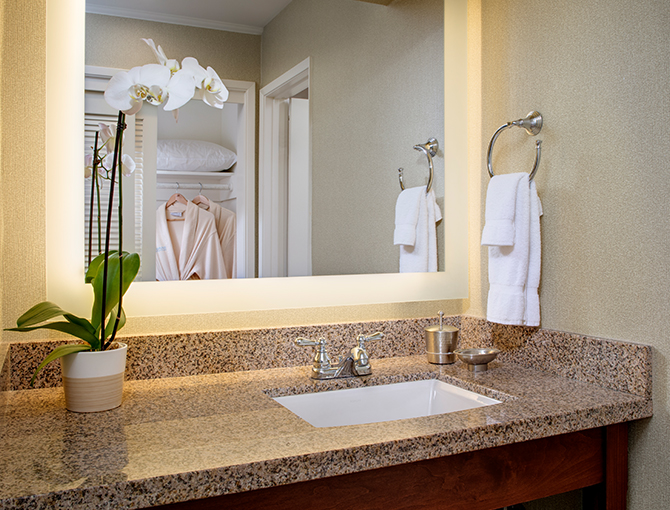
{"points": [[373, 404]]}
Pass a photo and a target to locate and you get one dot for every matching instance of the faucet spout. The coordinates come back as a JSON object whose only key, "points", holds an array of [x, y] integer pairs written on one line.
{"points": [[357, 364], [345, 368]]}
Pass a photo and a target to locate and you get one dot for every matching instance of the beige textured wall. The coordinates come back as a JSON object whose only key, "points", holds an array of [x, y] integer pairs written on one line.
{"points": [[117, 42], [598, 72], [22, 157], [377, 89]]}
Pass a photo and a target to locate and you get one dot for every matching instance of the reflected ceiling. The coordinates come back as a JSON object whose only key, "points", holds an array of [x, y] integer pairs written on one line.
{"points": [[246, 16]]}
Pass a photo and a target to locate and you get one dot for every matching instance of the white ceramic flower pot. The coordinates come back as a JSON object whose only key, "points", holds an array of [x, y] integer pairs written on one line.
{"points": [[93, 380]]}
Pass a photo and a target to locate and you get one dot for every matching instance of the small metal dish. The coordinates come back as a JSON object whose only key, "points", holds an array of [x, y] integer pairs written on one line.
{"points": [[477, 360]]}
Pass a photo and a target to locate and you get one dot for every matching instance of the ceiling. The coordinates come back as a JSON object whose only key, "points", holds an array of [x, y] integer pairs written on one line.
{"points": [[245, 16]]}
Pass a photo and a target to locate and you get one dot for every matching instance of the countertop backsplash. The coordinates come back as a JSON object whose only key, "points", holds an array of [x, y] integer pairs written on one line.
{"points": [[623, 366]]}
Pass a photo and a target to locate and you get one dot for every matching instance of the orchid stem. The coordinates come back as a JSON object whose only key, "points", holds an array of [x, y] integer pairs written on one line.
{"points": [[119, 137], [93, 183], [103, 337]]}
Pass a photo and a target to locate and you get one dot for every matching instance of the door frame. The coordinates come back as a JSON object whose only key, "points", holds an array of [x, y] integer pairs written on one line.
{"points": [[273, 167]]}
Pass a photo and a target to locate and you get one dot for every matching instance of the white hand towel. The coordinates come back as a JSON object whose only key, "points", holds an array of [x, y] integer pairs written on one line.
{"points": [[500, 210], [407, 215], [416, 216], [534, 260], [514, 270]]}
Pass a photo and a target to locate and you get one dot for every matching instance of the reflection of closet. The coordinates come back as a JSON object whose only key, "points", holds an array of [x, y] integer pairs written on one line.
{"points": [[233, 127]]}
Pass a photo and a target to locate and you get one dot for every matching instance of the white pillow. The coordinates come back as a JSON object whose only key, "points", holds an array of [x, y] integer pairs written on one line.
{"points": [[193, 156]]}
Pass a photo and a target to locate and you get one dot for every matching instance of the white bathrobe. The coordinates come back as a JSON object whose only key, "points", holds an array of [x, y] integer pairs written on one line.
{"points": [[226, 226], [196, 254]]}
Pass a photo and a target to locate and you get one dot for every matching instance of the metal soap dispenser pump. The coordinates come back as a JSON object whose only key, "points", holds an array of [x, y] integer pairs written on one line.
{"points": [[441, 342]]}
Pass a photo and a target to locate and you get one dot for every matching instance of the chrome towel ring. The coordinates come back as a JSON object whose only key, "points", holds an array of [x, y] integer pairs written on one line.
{"points": [[429, 149], [533, 125]]}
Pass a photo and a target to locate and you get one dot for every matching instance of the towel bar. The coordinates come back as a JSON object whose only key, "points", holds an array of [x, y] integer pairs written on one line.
{"points": [[429, 149], [533, 125]]}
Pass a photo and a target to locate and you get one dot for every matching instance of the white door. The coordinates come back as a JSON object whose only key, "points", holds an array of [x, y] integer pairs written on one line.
{"points": [[299, 223]]}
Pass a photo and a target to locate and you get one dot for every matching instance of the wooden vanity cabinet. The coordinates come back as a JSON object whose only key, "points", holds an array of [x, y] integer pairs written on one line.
{"points": [[594, 459]]}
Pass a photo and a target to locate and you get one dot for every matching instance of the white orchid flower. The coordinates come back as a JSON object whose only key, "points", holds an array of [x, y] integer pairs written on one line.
{"points": [[88, 165], [180, 90], [127, 165], [214, 91], [191, 65], [107, 135], [170, 63], [128, 89]]}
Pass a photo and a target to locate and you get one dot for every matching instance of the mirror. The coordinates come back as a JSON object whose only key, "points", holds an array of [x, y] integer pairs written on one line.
{"points": [[65, 220], [369, 106]]}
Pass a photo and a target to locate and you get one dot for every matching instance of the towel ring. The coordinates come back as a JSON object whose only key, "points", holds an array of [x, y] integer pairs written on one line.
{"points": [[533, 125], [429, 149]]}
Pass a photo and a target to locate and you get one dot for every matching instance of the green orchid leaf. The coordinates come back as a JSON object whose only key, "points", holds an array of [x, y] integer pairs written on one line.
{"points": [[79, 321], [59, 352], [64, 327], [86, 325], [109, 328], [95, 265], [39, 313], [131, 266]]}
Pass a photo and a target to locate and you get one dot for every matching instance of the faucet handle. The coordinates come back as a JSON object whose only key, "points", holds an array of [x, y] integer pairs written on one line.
{"points": [[378, 335], [360, 355], [321, 358], [306, 342]]}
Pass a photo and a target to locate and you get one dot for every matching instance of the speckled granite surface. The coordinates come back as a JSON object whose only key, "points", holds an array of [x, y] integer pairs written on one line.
{"points": [[182, 438], [231, 351], [4, 367], [618, 365], [622, 366]]}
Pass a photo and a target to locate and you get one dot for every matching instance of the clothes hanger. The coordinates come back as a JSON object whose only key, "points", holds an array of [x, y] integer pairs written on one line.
{"points": [[201, 200], [177, 197], [177, 214]]}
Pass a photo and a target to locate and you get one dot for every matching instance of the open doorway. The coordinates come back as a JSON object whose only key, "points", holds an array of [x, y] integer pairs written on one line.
{"points": [[285, 197]]}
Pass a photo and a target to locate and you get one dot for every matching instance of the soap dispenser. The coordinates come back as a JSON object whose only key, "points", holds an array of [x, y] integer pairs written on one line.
{"points": [[441, 342]]}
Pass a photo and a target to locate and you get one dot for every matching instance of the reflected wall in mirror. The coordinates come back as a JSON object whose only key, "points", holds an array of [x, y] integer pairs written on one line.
{"points": [[376, 88]]}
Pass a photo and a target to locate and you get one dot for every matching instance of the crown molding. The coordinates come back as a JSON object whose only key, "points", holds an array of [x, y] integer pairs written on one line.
{"points": [[173, 19]]}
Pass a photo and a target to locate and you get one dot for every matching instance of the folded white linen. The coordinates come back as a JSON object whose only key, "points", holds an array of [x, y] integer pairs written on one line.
{"points": [[500, 210], [416, 216], [514, 270]]}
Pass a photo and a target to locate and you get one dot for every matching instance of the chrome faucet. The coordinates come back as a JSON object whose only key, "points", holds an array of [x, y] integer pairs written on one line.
{"points": [[355, 365]]}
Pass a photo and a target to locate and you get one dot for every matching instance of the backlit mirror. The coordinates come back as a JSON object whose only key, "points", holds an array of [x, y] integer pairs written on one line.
{"points": [[375, 88], [65, 270]]}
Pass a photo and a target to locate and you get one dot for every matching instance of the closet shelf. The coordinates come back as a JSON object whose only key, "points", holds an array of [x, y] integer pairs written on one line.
{"points": [[215, 175]]}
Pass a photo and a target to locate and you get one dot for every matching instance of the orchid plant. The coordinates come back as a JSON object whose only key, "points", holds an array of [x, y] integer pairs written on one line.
{"points": [[112, 271]]}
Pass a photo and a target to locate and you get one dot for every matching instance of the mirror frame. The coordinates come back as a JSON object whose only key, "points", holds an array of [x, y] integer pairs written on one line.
{"points": [[65, 216]]}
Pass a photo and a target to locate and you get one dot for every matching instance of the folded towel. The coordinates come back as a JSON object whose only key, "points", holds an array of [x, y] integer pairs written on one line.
{"points": [[416, 216], [500, 210], [514, 269], [407, 215]]}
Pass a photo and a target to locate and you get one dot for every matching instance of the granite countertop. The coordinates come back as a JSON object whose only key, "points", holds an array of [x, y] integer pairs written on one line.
{"points": [[182, 438]]}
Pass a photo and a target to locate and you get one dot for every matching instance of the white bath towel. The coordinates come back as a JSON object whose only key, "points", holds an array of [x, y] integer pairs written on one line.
{"points": [[514, 270], [415, 232]]}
